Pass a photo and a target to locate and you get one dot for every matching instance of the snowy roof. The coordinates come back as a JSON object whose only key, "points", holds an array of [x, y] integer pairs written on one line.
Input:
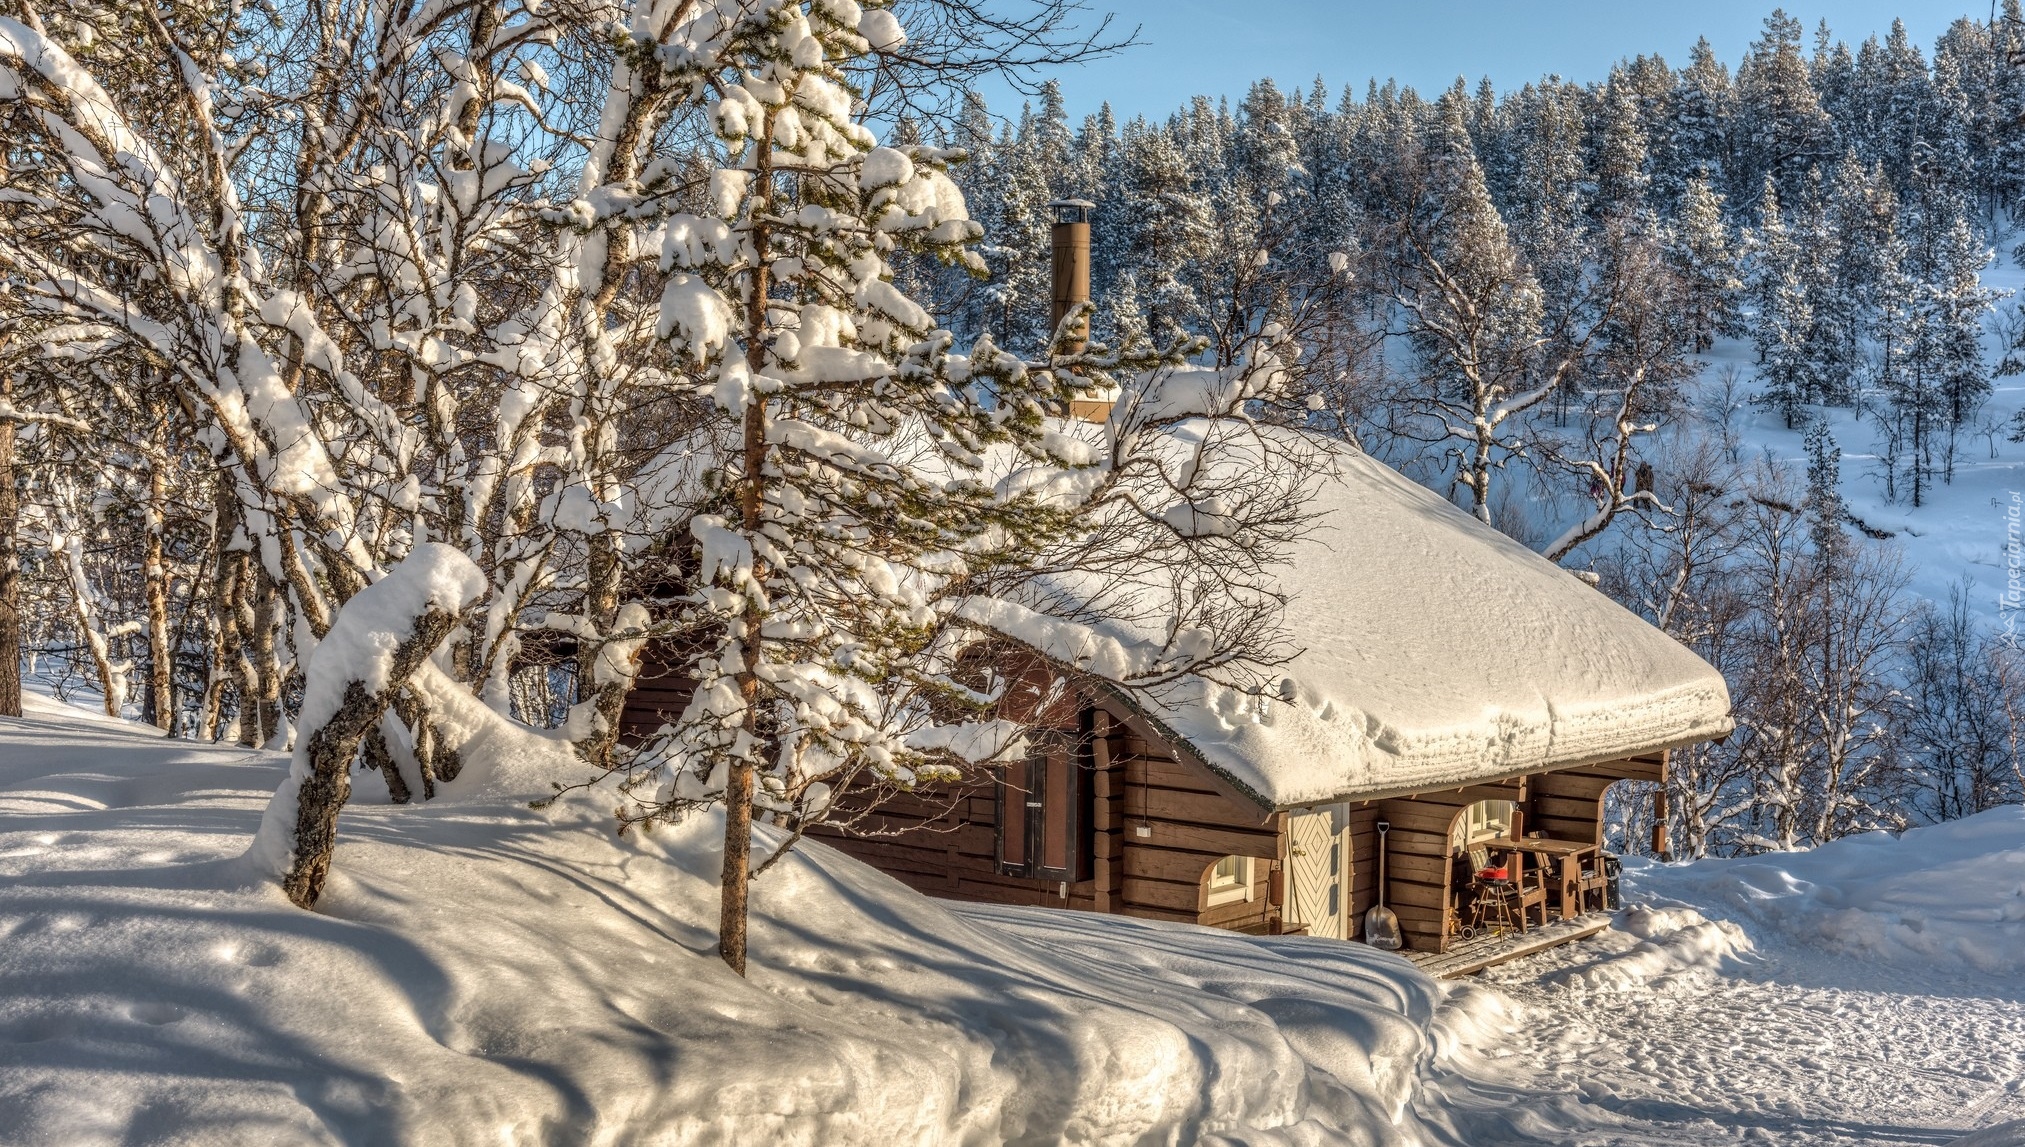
{"points": [[1435, 651]]}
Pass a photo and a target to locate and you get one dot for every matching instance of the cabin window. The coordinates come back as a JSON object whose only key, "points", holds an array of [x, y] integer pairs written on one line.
{"points": [[1040, 812], [1484, 820], [1230, 880]]}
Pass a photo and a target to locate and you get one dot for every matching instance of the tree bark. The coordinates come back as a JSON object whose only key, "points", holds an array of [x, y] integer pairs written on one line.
{"points": [[379, 757], [601, 608], [10, 567], [330, 748], [223, 629], [737, 883], [155, 579]]}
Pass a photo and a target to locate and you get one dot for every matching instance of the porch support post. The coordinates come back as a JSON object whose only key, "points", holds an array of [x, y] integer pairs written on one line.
{"points": [[1659, 815]]}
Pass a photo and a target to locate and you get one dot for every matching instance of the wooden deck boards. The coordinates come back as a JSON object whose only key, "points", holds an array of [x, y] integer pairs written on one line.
{"points": [[1488, 951]]}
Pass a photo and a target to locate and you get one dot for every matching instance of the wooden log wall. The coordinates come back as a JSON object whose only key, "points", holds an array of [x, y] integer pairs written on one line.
{"points": [[659, 694], [1420, 867], [1177, 821], [1568, 804], [1157, 825], [943, 841]]}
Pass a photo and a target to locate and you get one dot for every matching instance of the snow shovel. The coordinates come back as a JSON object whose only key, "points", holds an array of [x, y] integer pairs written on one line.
{"points": [[1381, 927]]}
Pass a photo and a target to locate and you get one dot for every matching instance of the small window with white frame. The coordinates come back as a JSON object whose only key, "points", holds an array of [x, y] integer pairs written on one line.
{"points": [[1482, 821], [1230, 880]]}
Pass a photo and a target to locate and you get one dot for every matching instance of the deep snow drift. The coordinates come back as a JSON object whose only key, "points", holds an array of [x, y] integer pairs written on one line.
{"points": [[484, 973], [1945, 896]]}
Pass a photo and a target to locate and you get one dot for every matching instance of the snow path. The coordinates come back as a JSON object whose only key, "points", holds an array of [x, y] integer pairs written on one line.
{"points": [[1786, 1045]]}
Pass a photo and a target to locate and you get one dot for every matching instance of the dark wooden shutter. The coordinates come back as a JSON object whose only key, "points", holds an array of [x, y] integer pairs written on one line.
{"points": [[1042, 812]]}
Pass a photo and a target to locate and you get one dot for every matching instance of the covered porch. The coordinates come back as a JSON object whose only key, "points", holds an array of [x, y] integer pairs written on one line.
{"points": [[1497, 866]]}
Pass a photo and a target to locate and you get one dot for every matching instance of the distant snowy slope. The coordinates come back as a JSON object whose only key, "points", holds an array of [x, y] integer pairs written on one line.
{"points": [[495, 975]]}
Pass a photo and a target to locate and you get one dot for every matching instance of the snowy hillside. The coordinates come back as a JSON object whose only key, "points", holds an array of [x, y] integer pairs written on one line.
{"points": [[489, 974], [1966, 526]]}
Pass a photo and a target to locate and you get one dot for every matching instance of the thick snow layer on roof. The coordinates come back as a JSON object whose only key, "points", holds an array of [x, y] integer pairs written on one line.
{"points": [[483, 973], [1435, 651]]}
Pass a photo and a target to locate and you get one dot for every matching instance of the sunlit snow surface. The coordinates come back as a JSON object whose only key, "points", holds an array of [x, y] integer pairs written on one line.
{"points": [[1871, 991], [482, 973]]}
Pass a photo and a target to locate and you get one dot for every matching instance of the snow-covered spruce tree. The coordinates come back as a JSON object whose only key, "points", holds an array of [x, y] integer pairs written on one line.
{"points": [[1780, 130], [1701, 252], [1960, 303], [1695, 139], [1778, 289], [1929, 321], [1621, 165]]}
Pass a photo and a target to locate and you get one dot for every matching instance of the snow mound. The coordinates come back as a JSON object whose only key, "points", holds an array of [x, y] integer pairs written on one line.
{"points": [[1670, 950], [2005, 1135], [1947, 895], [492, 974]]}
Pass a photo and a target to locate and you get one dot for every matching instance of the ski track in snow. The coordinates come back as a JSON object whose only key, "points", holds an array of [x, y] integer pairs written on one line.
{"points": [[1787, 1044]]}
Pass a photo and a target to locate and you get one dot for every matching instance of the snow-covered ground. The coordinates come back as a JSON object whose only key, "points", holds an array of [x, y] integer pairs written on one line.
{"points": [[1869, 992], [484, 973], [479, 972]]}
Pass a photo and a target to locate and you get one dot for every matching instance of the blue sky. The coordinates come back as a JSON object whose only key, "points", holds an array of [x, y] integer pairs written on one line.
{"points": [[1219, 47]]}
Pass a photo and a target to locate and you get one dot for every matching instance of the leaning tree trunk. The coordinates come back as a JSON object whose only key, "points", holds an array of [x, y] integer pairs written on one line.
{"points": [[330, 748]]}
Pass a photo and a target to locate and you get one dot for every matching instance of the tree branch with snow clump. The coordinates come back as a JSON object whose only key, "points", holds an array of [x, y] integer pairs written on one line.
{"points": [[377, 642]]}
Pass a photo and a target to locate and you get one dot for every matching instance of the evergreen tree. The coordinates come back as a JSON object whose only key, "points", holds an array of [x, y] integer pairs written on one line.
{"points": [[2007, 109], [1698, 128], [1826, 511], [1783, 320], [1834, 305], [1163, 223], [1960, 302], [1701, 252], [1782, 130], [1619, 163]]}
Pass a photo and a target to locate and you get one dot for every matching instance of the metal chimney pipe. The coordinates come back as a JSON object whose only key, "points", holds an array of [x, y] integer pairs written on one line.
{"points": [[1071, 286]]}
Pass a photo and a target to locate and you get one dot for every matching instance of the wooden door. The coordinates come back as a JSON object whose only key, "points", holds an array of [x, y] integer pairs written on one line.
{"points": [[1318, 866]]}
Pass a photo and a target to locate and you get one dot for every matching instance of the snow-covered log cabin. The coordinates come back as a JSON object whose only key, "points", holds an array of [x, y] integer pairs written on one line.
{"points": [[1446, 680]]}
